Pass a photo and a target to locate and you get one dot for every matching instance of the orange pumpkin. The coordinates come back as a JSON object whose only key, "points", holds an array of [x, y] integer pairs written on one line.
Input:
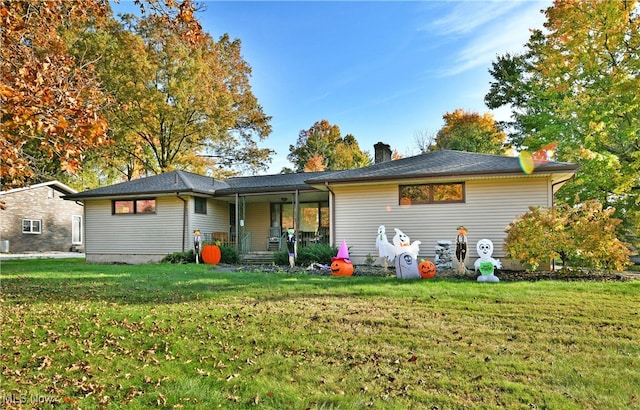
{"points": [[340, 267], [427, 269], [211, 254]]}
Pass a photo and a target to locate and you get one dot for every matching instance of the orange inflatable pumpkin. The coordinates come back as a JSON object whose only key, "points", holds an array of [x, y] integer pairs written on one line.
{"points": [[211, 254], [427, 269], [340, 267]]}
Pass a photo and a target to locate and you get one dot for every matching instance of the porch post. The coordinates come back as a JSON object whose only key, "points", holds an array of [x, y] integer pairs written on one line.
{"points": [[236, 223], [296, 214]]}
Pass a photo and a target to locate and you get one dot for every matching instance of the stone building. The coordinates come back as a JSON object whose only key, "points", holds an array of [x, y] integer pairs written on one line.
{"points": [[37, 219]]}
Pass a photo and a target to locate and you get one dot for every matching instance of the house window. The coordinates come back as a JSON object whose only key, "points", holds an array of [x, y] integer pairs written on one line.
{"points": [[431, 193], [200, 205], [134, 206], [76, 230], [32, 226]]}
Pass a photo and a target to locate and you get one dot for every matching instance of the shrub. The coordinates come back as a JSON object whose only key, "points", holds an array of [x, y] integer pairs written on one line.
{"points": [[583, 235], [180, 257], [319, 253], [229, 255]]}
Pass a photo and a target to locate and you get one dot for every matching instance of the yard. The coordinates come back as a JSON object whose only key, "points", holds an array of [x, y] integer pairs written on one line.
{"points": [[76, 335]]}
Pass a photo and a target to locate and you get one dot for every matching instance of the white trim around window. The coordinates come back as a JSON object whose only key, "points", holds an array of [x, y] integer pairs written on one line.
{"points": [[32, 226]]}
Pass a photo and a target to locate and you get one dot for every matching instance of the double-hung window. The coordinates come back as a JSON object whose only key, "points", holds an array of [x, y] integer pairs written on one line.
{"points": [[32, 226]]}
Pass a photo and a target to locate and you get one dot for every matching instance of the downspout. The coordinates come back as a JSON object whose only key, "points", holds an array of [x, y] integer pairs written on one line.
{"points": [[184, 219], [332, 207]]}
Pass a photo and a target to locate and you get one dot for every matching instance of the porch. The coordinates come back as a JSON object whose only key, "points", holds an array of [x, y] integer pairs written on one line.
{"points": [[258, 222]]}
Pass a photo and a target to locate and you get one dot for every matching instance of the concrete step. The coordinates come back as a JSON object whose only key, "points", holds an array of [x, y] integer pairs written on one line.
{"points": [[258, 258]]}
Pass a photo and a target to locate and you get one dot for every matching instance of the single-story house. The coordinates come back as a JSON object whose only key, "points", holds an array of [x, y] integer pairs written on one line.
{"points": [[37, 219], [426, 196]]}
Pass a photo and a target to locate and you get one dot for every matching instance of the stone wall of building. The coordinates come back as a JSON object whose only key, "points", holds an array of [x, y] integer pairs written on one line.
{"points": [[43, 203]]}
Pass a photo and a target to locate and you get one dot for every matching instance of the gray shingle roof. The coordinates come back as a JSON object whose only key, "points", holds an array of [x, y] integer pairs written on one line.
{"points": [[270, 183], [437, 163], [440, 163], [169, 182]]}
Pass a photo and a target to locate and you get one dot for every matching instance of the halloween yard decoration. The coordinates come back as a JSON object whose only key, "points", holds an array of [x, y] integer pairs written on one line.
{"points": [[427, 269], [406, 256], [443, 258], [197, 242], [291, 246], [340, 264], [486, 264], [383, 246], [211, 254], [461, 249], [402, 251]]}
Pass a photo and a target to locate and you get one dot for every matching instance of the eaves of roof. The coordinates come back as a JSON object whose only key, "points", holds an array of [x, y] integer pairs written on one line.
{"points": [[270, 183], [53, 184], [167, 183], [440, 164]]}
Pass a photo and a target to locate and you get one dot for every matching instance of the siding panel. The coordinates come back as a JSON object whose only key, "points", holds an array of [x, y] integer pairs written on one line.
{"points": [[156, 234], [489, 207]]}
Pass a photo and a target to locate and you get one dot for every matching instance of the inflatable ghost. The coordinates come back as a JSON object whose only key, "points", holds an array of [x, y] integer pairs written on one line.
{"points": [[402, 244], [385, 249], [486, 264], [405, 255]]}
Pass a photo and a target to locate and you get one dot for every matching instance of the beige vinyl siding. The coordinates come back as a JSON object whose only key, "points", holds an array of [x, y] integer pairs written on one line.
{"points": [[489, 206], [152, 235], [215, 220], [257, 222]]}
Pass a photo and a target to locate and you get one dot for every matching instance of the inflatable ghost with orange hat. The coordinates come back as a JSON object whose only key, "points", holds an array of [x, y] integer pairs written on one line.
{"points": [[340, 264]]}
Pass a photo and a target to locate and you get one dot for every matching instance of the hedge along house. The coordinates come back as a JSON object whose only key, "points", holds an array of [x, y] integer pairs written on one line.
{"points": [[426, 196]]}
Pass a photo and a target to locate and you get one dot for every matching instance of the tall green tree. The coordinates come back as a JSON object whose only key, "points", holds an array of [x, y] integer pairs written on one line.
{"points": [[322, 147], [177, 105], [577, 84], [471, 132]]}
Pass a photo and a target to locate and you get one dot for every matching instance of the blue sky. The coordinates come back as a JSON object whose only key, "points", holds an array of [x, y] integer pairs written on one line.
{"points": [[380, 70]]}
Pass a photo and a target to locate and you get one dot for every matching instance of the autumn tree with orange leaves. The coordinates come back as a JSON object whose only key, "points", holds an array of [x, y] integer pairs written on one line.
{"points": [[471, 132], [50, 101]]}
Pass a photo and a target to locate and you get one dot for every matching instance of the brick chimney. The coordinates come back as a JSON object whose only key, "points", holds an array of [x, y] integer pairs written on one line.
{"points": [[382, 152]]}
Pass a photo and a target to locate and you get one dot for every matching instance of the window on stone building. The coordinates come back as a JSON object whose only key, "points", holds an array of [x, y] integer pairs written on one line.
{"points": [[32, 226]]}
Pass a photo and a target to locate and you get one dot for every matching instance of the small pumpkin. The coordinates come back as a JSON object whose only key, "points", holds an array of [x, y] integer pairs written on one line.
{"points": [[211, 254], [340, 267], [427, 269]]}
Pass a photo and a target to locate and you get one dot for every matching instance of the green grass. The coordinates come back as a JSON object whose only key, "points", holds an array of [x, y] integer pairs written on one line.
{"points": [[185, 336]]}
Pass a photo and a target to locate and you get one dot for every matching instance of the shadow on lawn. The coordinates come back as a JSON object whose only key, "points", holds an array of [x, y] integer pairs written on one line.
{"points": [[169, 284]]}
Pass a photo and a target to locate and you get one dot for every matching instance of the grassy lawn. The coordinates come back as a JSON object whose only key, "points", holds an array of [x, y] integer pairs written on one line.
{"points": [[185, 336]]}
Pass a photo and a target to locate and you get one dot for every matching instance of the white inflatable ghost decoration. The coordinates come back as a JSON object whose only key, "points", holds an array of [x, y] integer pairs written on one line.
{"points": [[402, 251], [486, 264], [402, 244], [382, 243]]}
